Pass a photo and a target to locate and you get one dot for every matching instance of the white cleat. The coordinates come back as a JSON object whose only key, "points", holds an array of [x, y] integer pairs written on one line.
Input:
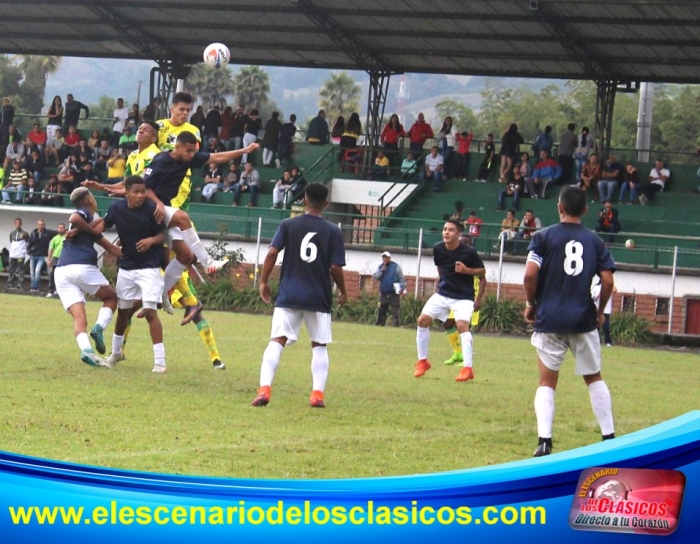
{"points": [[165, 303], [215, 266], [159, 369], [113, 359]]}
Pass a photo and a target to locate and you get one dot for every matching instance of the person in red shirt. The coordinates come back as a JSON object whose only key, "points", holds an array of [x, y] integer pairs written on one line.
{"points": [[38, 137], [418, 134], [390, 138], [70, 142], [464, 140], [473, 224]]}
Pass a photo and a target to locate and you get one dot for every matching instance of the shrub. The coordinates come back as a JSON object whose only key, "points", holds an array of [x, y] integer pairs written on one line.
{"points": [[504, 316], [628, 328]]}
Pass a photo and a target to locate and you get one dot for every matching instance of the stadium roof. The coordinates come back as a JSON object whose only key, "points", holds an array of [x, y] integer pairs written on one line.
{"points": [[626, 40]]}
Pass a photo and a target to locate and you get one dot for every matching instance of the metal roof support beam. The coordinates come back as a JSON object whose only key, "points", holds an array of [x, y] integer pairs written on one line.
{"points": [[376, 101], [163, 85], [604, 107]]}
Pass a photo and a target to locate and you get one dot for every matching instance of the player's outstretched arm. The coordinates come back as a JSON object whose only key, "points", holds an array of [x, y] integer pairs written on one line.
{"points": [[224, 157], [339, 279], [78, 224], [110, 247], [268, 266]]}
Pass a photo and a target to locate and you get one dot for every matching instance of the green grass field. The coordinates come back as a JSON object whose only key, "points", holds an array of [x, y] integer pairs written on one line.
{"points": [[379, 420]]}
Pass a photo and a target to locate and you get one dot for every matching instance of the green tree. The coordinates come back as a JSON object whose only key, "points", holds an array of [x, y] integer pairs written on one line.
{"points": [[10, 77], [209, 85], [250, 86], [340, 95], [463, 117], [36, 70]]}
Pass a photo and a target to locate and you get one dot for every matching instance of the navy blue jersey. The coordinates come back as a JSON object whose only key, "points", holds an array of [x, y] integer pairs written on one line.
{"points": [[569, 255], [311, 245], [452, 284], [134, 224], [165, 174], [81, 249]]}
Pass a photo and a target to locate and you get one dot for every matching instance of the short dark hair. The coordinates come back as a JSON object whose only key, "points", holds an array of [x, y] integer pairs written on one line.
{"points": [[153, 125], [571, 126], [573, 200], [548, 129], [530, 211], [457, 224], [181, 97], [316, 194], [186, 137], [133, 180], [292, 118]]}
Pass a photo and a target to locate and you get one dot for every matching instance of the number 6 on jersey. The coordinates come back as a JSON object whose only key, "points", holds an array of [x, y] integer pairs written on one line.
{"points": [[308, 250]]}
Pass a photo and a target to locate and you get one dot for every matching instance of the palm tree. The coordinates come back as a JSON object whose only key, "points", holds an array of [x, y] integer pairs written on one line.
{"points": [[36, 70], [251, 85], [340, 95], [211, 86]]}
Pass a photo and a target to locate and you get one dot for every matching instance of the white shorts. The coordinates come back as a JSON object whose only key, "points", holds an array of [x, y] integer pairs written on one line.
{"points": [[173, 233], [145, 284], [552, 347], [287, 322], [439, 307], [74, 281]]}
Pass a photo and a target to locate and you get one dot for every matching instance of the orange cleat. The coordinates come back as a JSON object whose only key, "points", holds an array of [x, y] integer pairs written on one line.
{"points": [[263, 397], [316, 399], [422, 367], [466, 374]]}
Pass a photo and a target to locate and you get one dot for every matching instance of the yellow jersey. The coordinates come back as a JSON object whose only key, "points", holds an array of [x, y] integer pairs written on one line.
{"points": [[138, 161], [167, 134]]}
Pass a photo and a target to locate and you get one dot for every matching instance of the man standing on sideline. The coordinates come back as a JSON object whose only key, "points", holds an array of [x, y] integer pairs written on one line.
{"points": [[121, 118], [18, 252], [71, 110], [565, 157], [38, 250], [562, 260], [55, 247], [457, 265], [392, 285], [314, 253]]}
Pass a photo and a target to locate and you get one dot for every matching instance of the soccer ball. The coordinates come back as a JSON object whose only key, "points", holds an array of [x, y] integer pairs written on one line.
{"points": [[216, 55], [629, 244]]}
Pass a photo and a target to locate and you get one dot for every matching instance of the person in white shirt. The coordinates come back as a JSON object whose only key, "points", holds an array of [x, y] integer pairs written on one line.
{"points": [[18, 253], [658, 177], [434, 165], [121, 118]]}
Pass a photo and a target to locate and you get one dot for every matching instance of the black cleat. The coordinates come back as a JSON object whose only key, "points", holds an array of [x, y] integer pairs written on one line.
{"points": [[219, 365], [608, 436], [543, 448], [191, 312]]}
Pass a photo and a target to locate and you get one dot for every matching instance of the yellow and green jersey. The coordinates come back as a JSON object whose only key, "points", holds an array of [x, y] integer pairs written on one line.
{"points": [[167, 134], [138, 161]]}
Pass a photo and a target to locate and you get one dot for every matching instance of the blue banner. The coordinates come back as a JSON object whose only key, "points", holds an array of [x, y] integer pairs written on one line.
{"points": [[564, 496]]}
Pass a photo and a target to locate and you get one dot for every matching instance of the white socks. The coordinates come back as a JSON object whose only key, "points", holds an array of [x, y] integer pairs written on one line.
{"points": [[83, 341], [544, 410], [602, 406], [104, 317], [159, 354], [117, 343], [172, 273], [467, 348], [191, 238], [319, 367], [270, 361], [422, 342]]}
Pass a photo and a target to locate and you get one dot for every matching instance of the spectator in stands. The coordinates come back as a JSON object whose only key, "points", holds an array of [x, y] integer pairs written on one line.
{"points": [[72, 112], [86, 173], [446, 144], [121, 118], [528, 227], [544, 141], [12, 132], [68, 174], [611, 176], [212, 122], [337, 130], [102, 155], [38, 137], [582, 151], [509, 228], [149, 113], [214, 145], [514, 188], [238, 123], [94, 141], [409, 167], [7, 118], [525, 170], [231, 177], [299, 184], [510, 150], [82, 161], [286, 142], [393, 130], [51, 195], [28, 146], [249, 181], [546, 173], [70, 142], [590, 174], [213, 181], [85, 149], [116, 167], [106, 136], [457, 213], [252, 127], [489, 159], [15, 182], [197, 119], [38, 251], [15, 151], [608, 221], [281, 190], [317, 133], [630, 183], [53, 147], [353, 129], [34, 165], [418, 134], [127, 141], [381, 167], [55, 118], [434, 164], [18, 253], [32, 195], [567, 145], [134, 118], [271, 138], [658, 177], [226, 125], [473, 224], [464, 141]]}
